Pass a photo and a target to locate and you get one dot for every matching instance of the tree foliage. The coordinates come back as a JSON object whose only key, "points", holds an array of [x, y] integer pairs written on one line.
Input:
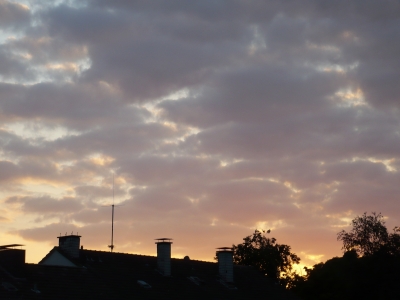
{"points": [[369, 268], [393, 245], [352, 277], [369, 235], [273, 259]]}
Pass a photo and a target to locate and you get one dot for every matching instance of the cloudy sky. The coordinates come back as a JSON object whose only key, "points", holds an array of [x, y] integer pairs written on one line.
{"points": [[216, 117]]}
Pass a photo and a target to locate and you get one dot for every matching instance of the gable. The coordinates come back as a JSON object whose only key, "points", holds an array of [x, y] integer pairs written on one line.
{"points": [[55, 258]]}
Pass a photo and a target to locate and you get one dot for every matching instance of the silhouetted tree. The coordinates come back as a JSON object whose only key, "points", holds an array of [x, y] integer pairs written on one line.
{"points": [[351, 277], [392, 247], [369, 235], [369, 268], [273, 259]]}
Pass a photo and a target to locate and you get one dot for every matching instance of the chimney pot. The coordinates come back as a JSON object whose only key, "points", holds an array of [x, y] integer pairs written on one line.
{"points": [[164, 256], [225, 263]]}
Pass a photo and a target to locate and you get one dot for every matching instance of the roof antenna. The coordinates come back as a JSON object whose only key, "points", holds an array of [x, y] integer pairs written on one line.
{"points": [[112, 220]]}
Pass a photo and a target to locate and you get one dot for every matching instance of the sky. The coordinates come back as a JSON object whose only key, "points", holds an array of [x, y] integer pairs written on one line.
{"points": [[215, 118]]}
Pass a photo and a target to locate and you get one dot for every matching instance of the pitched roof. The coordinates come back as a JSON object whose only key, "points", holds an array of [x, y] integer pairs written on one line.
{"points": [[106, 275], [59, 254]]}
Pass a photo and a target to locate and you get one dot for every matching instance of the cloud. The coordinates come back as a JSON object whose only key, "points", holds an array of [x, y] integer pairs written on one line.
{"points": [[4, 219], [46, 233], [214, 117], [72, 105], [13, 15], [45, 204], [9, 170]]}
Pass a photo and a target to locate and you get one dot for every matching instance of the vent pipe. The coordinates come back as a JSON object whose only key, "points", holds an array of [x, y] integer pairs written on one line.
{"points": [[69, 244], [225, 263], [164, 256]]}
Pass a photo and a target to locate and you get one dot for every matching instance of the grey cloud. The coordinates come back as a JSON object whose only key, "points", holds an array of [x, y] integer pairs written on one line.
{"points": [[164, 171], [11, 66], [300, 173], [44, 50], [268, 201], [45, 204], [155, 68], [16, 146], [147, 64], [94, 216], [46, 233], [360, 197], [293, 26], [206, 9], [84, 25], [161, 200], [289, 118], [75, 106], [13, 15], [8, 171], [368, 172], [328, 134], [95, 192], [119, 141], [256, 94]]}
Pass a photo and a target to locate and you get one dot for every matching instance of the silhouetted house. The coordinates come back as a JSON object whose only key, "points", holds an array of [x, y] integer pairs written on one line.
{"points": [[70, 272]]}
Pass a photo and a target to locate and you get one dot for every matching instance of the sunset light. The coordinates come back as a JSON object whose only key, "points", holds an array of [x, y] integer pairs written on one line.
{"points": [[203, 121]]}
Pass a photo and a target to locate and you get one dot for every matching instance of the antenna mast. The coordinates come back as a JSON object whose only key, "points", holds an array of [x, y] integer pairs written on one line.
{"points": [[112, 221], [112, 230]]}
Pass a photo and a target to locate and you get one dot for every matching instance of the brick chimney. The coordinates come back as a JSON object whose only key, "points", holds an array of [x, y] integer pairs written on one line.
{"points": [[69, 244], [225, 263], [164, 256]]}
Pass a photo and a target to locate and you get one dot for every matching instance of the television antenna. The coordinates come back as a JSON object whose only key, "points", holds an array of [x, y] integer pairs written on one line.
{"points": [[112, 220]]}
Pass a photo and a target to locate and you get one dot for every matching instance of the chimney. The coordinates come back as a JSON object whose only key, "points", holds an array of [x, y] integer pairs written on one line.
{"points": [[70, 244], [12, 259], [164, 256], [225, 263]]}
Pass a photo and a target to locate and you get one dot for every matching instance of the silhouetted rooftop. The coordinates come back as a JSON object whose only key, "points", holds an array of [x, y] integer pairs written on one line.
{"points": [[113, 275]]}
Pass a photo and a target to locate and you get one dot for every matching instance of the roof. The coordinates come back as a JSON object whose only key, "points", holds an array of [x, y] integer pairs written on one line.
{"points": [[106, 275]]}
